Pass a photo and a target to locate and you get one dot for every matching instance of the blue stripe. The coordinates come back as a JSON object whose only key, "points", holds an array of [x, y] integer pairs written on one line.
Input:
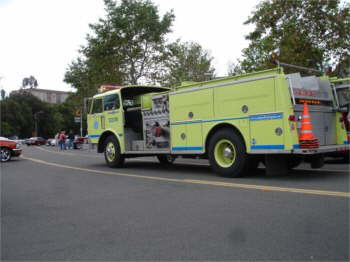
{"points": [[207, 121], [225, 119], [272, 116], [346, 142], [120, 134], [260, 147], [184, 148], [94, 136], [296, 146]]}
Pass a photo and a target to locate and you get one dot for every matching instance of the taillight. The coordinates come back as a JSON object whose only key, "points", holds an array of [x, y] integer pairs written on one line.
{"points": [[291, 118]]}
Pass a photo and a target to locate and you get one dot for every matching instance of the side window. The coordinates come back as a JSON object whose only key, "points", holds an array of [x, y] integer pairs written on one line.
{"points": [[97, 106], [111, 102]]}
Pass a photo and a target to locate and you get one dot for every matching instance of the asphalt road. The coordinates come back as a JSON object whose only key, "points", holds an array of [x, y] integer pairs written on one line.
{"points": [[70, 206]]}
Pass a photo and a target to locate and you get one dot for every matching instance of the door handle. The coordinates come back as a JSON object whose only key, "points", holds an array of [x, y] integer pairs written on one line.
{"points": [[102, 122]]}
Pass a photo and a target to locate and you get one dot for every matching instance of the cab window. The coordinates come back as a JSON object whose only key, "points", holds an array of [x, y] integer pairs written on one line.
{"points": [[97, 106], [111, 102]]}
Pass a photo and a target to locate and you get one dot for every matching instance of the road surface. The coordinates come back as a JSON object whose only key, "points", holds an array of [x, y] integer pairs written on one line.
{"points": [[67, 205]]}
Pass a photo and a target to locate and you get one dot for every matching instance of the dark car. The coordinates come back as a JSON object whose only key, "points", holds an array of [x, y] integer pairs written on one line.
{"points": [[8, 149], [36, 141], [78, 142]]}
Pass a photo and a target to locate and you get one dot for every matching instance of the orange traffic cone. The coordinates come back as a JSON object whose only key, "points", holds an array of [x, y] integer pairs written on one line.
{"points": [[306, 137]]}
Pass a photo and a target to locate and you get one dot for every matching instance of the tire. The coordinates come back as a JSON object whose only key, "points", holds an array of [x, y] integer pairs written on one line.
{"points": [[112, 153], [5, 154], [166, 159], [227, 153]]}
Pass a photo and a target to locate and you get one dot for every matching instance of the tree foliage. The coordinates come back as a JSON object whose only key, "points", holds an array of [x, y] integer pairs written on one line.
{"points": [[3, 94], [187, 62], [30, 82], [312, 33], [18, 113], [125, 47]]}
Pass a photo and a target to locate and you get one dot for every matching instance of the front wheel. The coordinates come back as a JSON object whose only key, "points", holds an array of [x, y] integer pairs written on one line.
{"points": [[227, 153], [5, 154], [112, 153], [166, 159]]}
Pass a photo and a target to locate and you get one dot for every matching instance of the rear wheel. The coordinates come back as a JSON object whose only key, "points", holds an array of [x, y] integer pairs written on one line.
{"points": [[166, 159], [227, 153], [5, 154], [112, 153]]}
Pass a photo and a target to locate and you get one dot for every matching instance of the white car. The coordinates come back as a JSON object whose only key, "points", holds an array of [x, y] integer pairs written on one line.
{"points": [[51, 142]]}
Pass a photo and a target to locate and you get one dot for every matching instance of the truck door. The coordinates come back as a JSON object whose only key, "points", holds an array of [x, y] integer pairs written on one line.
{"points": [[112, 114], [96, 123]]}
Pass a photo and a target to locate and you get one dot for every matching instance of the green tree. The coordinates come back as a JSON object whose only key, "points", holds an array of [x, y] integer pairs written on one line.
{"points": [[29, 81], [18, 116], [3, 94], [187, 62], [312, 33], [125, 47]]}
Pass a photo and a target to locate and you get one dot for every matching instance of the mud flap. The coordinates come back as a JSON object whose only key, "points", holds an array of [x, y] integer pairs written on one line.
{"points": [[316, 161], [276, 165]]}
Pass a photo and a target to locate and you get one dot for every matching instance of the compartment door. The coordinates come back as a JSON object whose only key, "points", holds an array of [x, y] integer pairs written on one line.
{"points": [[194, 137], [266, 132], [178, 138]]}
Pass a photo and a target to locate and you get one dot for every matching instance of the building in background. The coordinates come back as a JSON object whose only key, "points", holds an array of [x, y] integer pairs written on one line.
{"points": [[45, 95]]}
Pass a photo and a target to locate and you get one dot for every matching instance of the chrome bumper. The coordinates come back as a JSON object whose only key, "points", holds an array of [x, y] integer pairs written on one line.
{"points": [[322, 149], [305, 151]]}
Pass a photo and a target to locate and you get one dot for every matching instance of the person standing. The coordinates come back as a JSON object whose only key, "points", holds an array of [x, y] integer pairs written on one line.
{"points": [[62, 140], [70, 139], [57, 136]]}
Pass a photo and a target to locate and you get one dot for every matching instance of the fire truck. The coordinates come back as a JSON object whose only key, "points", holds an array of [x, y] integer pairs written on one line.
{"points": [[342, 87], [235, 122]]}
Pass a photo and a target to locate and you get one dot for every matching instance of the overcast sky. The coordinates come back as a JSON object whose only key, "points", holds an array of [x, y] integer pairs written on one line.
{"points": [[41, 37]]}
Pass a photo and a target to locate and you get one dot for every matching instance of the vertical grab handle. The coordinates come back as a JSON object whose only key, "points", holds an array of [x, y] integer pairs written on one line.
{"points": [[291, 90], [103, 124], [335, 95]]}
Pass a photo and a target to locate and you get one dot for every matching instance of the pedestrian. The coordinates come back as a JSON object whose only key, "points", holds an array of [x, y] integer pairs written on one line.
{"points": [[62, 140], [70, 139], [57, 138]]}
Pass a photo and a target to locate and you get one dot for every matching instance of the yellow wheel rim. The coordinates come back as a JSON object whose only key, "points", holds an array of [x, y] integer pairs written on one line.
{"points": [[225, 153], [110, 152]]}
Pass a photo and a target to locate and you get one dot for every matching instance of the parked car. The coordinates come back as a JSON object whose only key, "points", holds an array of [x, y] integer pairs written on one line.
{"points": [[78, 141], [51, 142], [8, 149], [36, 141], [16, 139]]}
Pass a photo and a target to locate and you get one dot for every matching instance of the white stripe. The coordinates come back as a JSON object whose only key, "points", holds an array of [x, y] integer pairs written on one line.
{"points": [[306, 132]]}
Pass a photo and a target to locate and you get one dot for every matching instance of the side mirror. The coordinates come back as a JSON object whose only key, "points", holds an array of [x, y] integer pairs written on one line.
{"points": [[87, 105]]}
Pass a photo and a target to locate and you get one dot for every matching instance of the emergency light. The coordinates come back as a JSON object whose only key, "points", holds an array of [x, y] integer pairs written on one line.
{"points": [[105, 88]]}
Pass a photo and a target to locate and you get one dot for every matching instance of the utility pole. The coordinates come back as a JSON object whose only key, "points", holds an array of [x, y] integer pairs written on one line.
{"points": [[36, 121], [81, 123]]}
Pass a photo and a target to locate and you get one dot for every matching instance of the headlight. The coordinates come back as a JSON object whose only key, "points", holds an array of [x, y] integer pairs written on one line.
{"points": [[18, 146]]}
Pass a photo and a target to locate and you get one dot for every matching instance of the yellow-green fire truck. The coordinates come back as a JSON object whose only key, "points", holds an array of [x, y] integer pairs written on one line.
{"points": [[234, 122]]}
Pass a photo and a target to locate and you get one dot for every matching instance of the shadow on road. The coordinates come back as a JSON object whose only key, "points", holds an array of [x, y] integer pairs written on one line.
{"points": [[204, 172], [337, 161]]}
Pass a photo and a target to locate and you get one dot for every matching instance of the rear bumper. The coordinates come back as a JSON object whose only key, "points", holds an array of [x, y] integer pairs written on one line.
{"points": [[322, 149], [306, 151]]}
